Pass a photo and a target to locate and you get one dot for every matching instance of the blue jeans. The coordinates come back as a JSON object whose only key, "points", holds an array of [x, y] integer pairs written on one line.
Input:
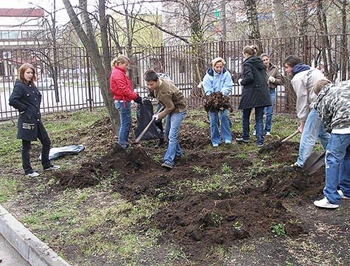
{"points": [[269, 111], [259, 114], [124, 109], [337, 167], [172, 125], [313, 129], [225, 124]]}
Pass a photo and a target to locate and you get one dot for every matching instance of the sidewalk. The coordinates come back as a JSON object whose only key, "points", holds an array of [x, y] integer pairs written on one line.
{"points": [[32, 250]]}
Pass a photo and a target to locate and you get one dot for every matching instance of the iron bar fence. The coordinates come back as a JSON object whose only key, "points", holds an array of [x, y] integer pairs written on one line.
{"points": [[68, 81]]}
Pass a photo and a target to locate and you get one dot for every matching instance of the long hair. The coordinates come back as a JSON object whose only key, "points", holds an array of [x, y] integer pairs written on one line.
{"points": [[122, 59], [23, 69]]}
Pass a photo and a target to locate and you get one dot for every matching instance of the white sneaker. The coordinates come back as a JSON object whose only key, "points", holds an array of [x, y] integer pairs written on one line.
{"points": [[33, 174], [324, 203], [268, 133], [52, 168], [228, 141], [215, 145], [341, 194]]}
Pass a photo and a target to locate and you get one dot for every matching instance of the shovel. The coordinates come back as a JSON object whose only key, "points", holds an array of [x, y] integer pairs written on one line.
{"points": [[274, 145], [314, 162]]}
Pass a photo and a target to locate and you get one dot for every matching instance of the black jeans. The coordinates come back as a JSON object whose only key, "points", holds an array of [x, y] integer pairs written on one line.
{"points": [[45, 151]]}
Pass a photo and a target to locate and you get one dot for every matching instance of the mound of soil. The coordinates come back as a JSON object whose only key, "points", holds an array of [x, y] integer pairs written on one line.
{"points": [[197, 220]]}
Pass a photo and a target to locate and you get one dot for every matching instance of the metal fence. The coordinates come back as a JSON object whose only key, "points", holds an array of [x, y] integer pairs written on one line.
{"points": [[76, 85]]}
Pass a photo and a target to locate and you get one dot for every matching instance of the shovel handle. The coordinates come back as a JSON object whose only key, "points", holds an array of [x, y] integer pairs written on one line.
{"points": [[291, 136]]}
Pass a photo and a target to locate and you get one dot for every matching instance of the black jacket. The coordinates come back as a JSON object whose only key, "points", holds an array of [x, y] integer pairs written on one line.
{"points": [[26, 99], [255, 92]]}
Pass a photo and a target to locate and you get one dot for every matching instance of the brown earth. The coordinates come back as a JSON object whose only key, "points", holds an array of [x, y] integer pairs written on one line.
{"points": [[198, 221]]}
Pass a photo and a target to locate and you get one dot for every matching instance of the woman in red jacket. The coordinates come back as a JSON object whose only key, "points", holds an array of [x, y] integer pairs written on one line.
{"points": [[123, 94]]}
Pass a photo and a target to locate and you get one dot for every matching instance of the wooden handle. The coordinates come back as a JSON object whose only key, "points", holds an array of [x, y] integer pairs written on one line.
{"points": [[291, 136]]}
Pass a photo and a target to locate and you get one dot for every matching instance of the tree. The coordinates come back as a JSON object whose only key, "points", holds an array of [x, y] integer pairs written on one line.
{"points": [[86, 32]]}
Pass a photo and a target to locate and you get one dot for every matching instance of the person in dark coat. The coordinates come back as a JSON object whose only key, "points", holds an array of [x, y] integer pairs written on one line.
{"points": [[26, 98], [255, 94]]}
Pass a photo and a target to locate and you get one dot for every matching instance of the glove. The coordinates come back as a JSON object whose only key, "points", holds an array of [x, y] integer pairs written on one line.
{"points": [[155, 117], [239, 81], [272, 79], [138, 99]]}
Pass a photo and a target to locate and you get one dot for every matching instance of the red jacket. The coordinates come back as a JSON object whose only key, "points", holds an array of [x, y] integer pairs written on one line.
{"points": [[120, 85]]}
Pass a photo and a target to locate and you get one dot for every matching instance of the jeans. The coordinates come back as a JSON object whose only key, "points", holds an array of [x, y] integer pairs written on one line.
{"points": [[269, 111], [124, 109], [259, 114], [337, 167], [214, 118], [172, 125], [45, 150], [313, 129]]}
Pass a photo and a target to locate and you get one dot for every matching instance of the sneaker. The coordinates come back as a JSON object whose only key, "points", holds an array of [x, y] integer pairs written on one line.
{"points": [[293, 167], [268, 133], [341, 194], [167, 164], [33, 174], [215, 145], [228, 141], [254, 133], [52, 168], [324, 203], [240, 140], [260, 145]]}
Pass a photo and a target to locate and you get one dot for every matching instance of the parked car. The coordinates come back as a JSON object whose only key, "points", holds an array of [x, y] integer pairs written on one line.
{"points": [[45, 84]]}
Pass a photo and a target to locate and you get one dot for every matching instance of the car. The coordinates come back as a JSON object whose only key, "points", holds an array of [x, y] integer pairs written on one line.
{"points": [[45, 84]]}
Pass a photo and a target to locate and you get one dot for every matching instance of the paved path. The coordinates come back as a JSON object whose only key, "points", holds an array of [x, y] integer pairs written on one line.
{"points": [[9, 256]]}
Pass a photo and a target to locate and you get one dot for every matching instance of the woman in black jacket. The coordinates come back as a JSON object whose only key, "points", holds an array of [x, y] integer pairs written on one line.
{"points": [[26, 98], [255, 93]]}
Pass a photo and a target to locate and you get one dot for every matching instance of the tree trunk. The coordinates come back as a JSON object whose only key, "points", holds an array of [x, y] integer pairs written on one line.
{"points": [[280, 19], [102, 67], [253, 23]]}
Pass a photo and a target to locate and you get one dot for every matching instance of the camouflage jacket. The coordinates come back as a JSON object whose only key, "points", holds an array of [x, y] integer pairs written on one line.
{"points": [[332, 104]]}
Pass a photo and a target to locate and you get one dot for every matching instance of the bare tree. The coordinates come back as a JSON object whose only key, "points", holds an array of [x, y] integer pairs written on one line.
{"points": [[86, 32]]}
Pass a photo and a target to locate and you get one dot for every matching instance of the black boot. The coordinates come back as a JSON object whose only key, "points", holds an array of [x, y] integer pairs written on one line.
{"points": [[160, 143]]}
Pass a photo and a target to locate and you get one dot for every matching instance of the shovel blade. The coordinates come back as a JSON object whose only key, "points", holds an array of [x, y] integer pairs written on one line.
{"points": [[314, 162]]}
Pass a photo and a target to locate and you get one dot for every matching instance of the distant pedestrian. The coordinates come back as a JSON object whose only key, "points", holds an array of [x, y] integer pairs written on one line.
{"points": [[332, 104], [255, 94], [174, 103], [123, 94], [26, 98], [218, 79]]}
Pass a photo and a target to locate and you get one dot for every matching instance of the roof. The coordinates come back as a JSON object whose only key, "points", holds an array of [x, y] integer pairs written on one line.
{"points": [[21, 12]]}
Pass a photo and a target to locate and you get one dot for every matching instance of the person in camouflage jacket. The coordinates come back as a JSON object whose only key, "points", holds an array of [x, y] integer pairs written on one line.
{"points": [[332, 104]]}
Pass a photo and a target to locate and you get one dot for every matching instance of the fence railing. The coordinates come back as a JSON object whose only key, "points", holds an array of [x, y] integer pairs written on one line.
{"points": [[75, 86]]}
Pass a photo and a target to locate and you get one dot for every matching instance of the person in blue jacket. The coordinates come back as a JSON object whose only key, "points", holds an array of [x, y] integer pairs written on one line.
{"points": [[26, 98], [218, 79]]}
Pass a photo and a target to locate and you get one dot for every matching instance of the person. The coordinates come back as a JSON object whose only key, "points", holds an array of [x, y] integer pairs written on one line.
{"points": [[123, 94], [255, 94], [311, 127], [26, 98], [218, 79], [274, 78], [332, 104], [174, 109]]}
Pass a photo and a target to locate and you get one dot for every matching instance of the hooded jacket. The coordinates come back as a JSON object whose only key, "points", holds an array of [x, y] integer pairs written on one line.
{"points": [[26, 98], [255, 92], [332, 104], [217, 82], [303, 82]]}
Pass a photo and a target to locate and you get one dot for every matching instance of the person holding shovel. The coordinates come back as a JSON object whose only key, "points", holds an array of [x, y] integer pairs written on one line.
{"points": [[218, 79], [123, 94], [173, 101], [26, 98], [332, 104], [303, 82]]}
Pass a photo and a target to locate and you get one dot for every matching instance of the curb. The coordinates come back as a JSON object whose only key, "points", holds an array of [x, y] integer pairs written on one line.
{"points": [[31, 248]]}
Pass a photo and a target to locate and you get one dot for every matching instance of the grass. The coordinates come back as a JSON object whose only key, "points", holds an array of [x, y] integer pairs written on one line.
{"points": [[73, 221]]}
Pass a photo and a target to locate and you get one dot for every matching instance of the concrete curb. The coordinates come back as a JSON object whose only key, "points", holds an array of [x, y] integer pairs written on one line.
{"points": [[26, 243]]}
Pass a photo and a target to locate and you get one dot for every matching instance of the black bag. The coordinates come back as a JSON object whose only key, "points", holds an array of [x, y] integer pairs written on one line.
{"points": [[144, 113]]}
